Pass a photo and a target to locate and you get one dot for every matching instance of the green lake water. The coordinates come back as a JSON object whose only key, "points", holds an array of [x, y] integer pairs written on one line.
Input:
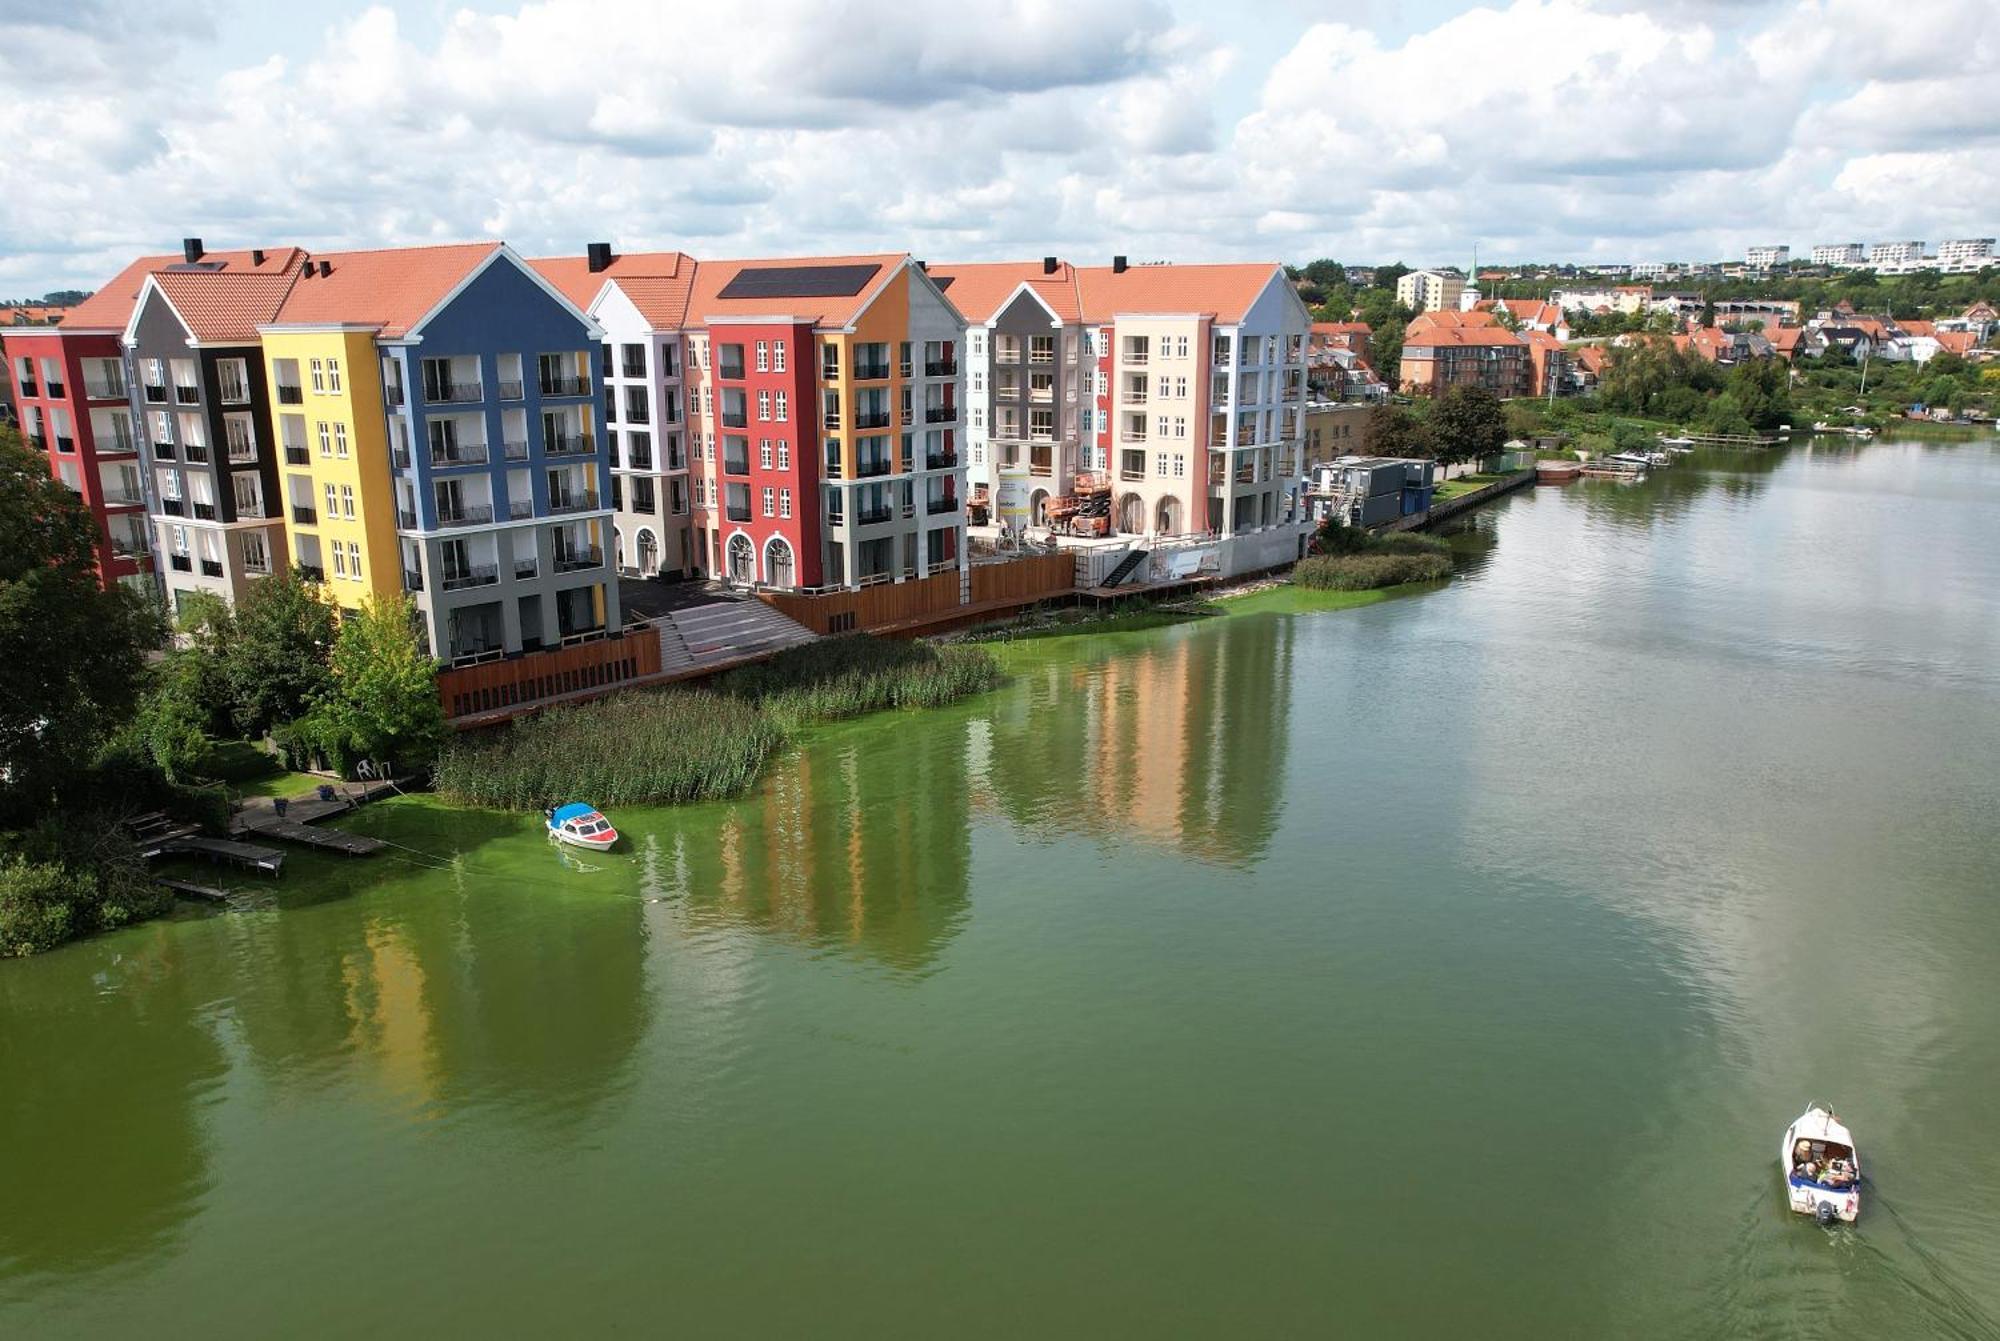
{"points": [[1451, 965]]}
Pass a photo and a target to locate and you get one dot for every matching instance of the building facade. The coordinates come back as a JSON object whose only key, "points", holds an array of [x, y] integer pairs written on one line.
{"points": [[199, 391], [1763, 258], [479, 478], [1839, 254], [824, 403], [1965, 253], [1896, 254], [72, 403], [1439, 357], [640, 301]]}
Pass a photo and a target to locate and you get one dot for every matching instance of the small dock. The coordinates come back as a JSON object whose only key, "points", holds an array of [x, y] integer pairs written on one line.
{"points": [[189, 889], [329, 840], [266, 859]]}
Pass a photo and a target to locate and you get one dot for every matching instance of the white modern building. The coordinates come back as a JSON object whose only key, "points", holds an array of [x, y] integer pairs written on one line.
{"points": [[1965, 254], [1430, 290], [1763, 258], [1839, 254]]}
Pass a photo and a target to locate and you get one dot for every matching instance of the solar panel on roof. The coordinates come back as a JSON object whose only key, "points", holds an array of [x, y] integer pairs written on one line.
{"points": [[799, 281]]}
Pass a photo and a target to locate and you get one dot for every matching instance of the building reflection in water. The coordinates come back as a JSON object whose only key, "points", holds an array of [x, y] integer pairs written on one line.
{"points": [[1181, 744], [858, 843]]}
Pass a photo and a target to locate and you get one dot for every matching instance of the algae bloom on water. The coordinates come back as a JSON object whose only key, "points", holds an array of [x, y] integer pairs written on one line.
{"points": [[680, 745]]}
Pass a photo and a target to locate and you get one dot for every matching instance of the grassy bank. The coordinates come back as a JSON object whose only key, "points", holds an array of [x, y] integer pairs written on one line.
{"points": [[672, 746]]}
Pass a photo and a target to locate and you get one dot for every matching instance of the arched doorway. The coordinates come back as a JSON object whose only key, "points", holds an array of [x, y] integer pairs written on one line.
{"points": [[742, 559], [1169, 516], [649, 553], [617, 550], [778, 563], [1038, 507], [1132, 515]]}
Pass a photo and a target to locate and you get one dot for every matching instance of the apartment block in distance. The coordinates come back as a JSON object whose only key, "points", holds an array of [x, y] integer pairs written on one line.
{"points": [[1430, 290], [824, 409], [478, 481], [1442, 350], [1763, 258], [73, 404], [1839, 254], [641, 301], [198, 389]]}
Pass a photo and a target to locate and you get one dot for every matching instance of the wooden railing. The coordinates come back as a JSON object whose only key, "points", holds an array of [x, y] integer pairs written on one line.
{"points": [[495, 686], [928, 600]]}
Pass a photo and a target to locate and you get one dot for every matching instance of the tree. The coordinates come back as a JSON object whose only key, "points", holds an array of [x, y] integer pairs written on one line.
{"points": [[1393, 430], [1469, 423], [381, 702], [1387, 275], [274, 654], [1325, 273], [71, 651]]}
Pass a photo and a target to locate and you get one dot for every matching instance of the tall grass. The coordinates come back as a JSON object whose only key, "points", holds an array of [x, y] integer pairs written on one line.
{"points": [[846, 677], [667, 747], [1367, 571], [678, 745]]}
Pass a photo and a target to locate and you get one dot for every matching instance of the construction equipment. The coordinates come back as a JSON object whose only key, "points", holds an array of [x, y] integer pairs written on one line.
{"points": [[1086, 509]]}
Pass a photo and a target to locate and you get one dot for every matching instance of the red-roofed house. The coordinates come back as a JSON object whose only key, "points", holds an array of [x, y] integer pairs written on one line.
{"points": [[1440, 355]]}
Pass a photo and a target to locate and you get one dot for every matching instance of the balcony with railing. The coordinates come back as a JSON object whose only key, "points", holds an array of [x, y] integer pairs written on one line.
{"points": [[174, 507], [28, 386], [181, 563], [471, 575], [940, 367], [943, 413], [305, 516], [289, 393], [464, 514], [65, 443], [55, 386], [575, 560], [156, 393], [874, 516], [242, 451], [874, 467], [392, 393], [525, 569], [185, 394], [564, 384], [446, 455], [940, 460], [120, 494], [453, 390], [296, 455], [512, 390], [871, 370], [127, 545], [519, 509], [942, 504], [104, 389], [867, 419], [413, 580], [560, 503], [211, 568]]}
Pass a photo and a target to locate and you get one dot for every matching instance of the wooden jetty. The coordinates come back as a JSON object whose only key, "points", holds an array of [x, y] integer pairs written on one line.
{"points": [[206, 893], [266, 859], [330, 840]]}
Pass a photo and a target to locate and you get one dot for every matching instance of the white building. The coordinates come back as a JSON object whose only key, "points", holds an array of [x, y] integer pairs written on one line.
{"points": [[1839, 254], [1430, 290], [1648, 269], [1900, 255], [1965, 253], [1763, 258]]}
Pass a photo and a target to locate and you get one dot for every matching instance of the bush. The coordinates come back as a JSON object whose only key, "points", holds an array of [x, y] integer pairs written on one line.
{"points": [[1410, 542], [665, 747], [1366, 572], [71, 878]]}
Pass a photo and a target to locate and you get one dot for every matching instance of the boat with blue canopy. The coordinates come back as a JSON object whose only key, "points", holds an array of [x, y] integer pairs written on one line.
{"points": [[581, 826]]}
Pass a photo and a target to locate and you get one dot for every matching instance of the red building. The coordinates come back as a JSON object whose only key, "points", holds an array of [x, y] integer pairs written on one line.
{"points": [[758, 519], [70, 395]]}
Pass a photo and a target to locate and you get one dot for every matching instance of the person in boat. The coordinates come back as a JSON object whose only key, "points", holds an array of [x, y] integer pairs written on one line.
{"points": [[1837, 1174]]}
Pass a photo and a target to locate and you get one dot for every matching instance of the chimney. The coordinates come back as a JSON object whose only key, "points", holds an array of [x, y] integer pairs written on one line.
{"points": [[1049, 264], [256, 256], [599, 254], [1118, 265], [191, 249], [325, 269], [924, 266]]}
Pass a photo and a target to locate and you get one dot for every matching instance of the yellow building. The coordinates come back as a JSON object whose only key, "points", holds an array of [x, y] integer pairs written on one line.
{"points": [[339, 497]]}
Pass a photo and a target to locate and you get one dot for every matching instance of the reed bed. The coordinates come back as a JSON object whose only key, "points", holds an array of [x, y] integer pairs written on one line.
{"points": [[673, 746], [1367, 571], [667, 747]]}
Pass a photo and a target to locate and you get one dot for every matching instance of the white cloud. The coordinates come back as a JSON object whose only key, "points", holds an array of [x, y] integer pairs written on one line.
{"points": [[1543, 128]]}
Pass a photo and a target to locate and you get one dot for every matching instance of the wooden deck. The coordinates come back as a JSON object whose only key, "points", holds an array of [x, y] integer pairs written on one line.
{"points": [[308, 835], [266, 859]]}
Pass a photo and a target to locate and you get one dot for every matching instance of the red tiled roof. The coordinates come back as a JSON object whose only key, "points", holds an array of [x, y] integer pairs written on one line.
{"points": [[1958, 342], [1449, 320], [227, 306], [1438, 336], [658, 283], [1341, 328], [391, 289], [711, 277], [1225, 292], [111, 306], [978, 290], [1914, 327]]}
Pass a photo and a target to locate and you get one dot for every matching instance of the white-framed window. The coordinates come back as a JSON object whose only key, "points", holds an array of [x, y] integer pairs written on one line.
{"points": [[764, 453], [1160, 425], [340, 439], [354, 560], [976, 341], [347, 501], [707, 401], [784, 502], [784, 455], [763, 404], [1180, 426], [1104, 421], [770, 502], [339, 558], [763, 356], [784, 406], [319, 376], [1160, 464], [332, 502], [1180, 346], [1180, 388], [777, 356], [978, 416], [325, 438], [1180, 466], [829, 360], [332, 375]]}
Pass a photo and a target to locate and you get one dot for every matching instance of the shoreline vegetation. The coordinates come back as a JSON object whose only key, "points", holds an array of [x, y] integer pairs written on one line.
{"points": [[674, 746]]}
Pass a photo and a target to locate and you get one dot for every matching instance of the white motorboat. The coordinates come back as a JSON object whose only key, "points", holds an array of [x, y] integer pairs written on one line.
{"points": [[1821, 1166], [580, 826], [1677, 444]]}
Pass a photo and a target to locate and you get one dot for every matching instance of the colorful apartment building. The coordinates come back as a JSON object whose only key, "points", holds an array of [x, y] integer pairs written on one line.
{"points": [[71, 401], [1442, 350], [823, 403], [437, 408], [641, 302], [199, 392], [1189, 388]]}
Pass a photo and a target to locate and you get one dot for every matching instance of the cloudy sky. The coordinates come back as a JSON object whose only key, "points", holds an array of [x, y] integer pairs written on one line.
{"points": [[1166, 129]]}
